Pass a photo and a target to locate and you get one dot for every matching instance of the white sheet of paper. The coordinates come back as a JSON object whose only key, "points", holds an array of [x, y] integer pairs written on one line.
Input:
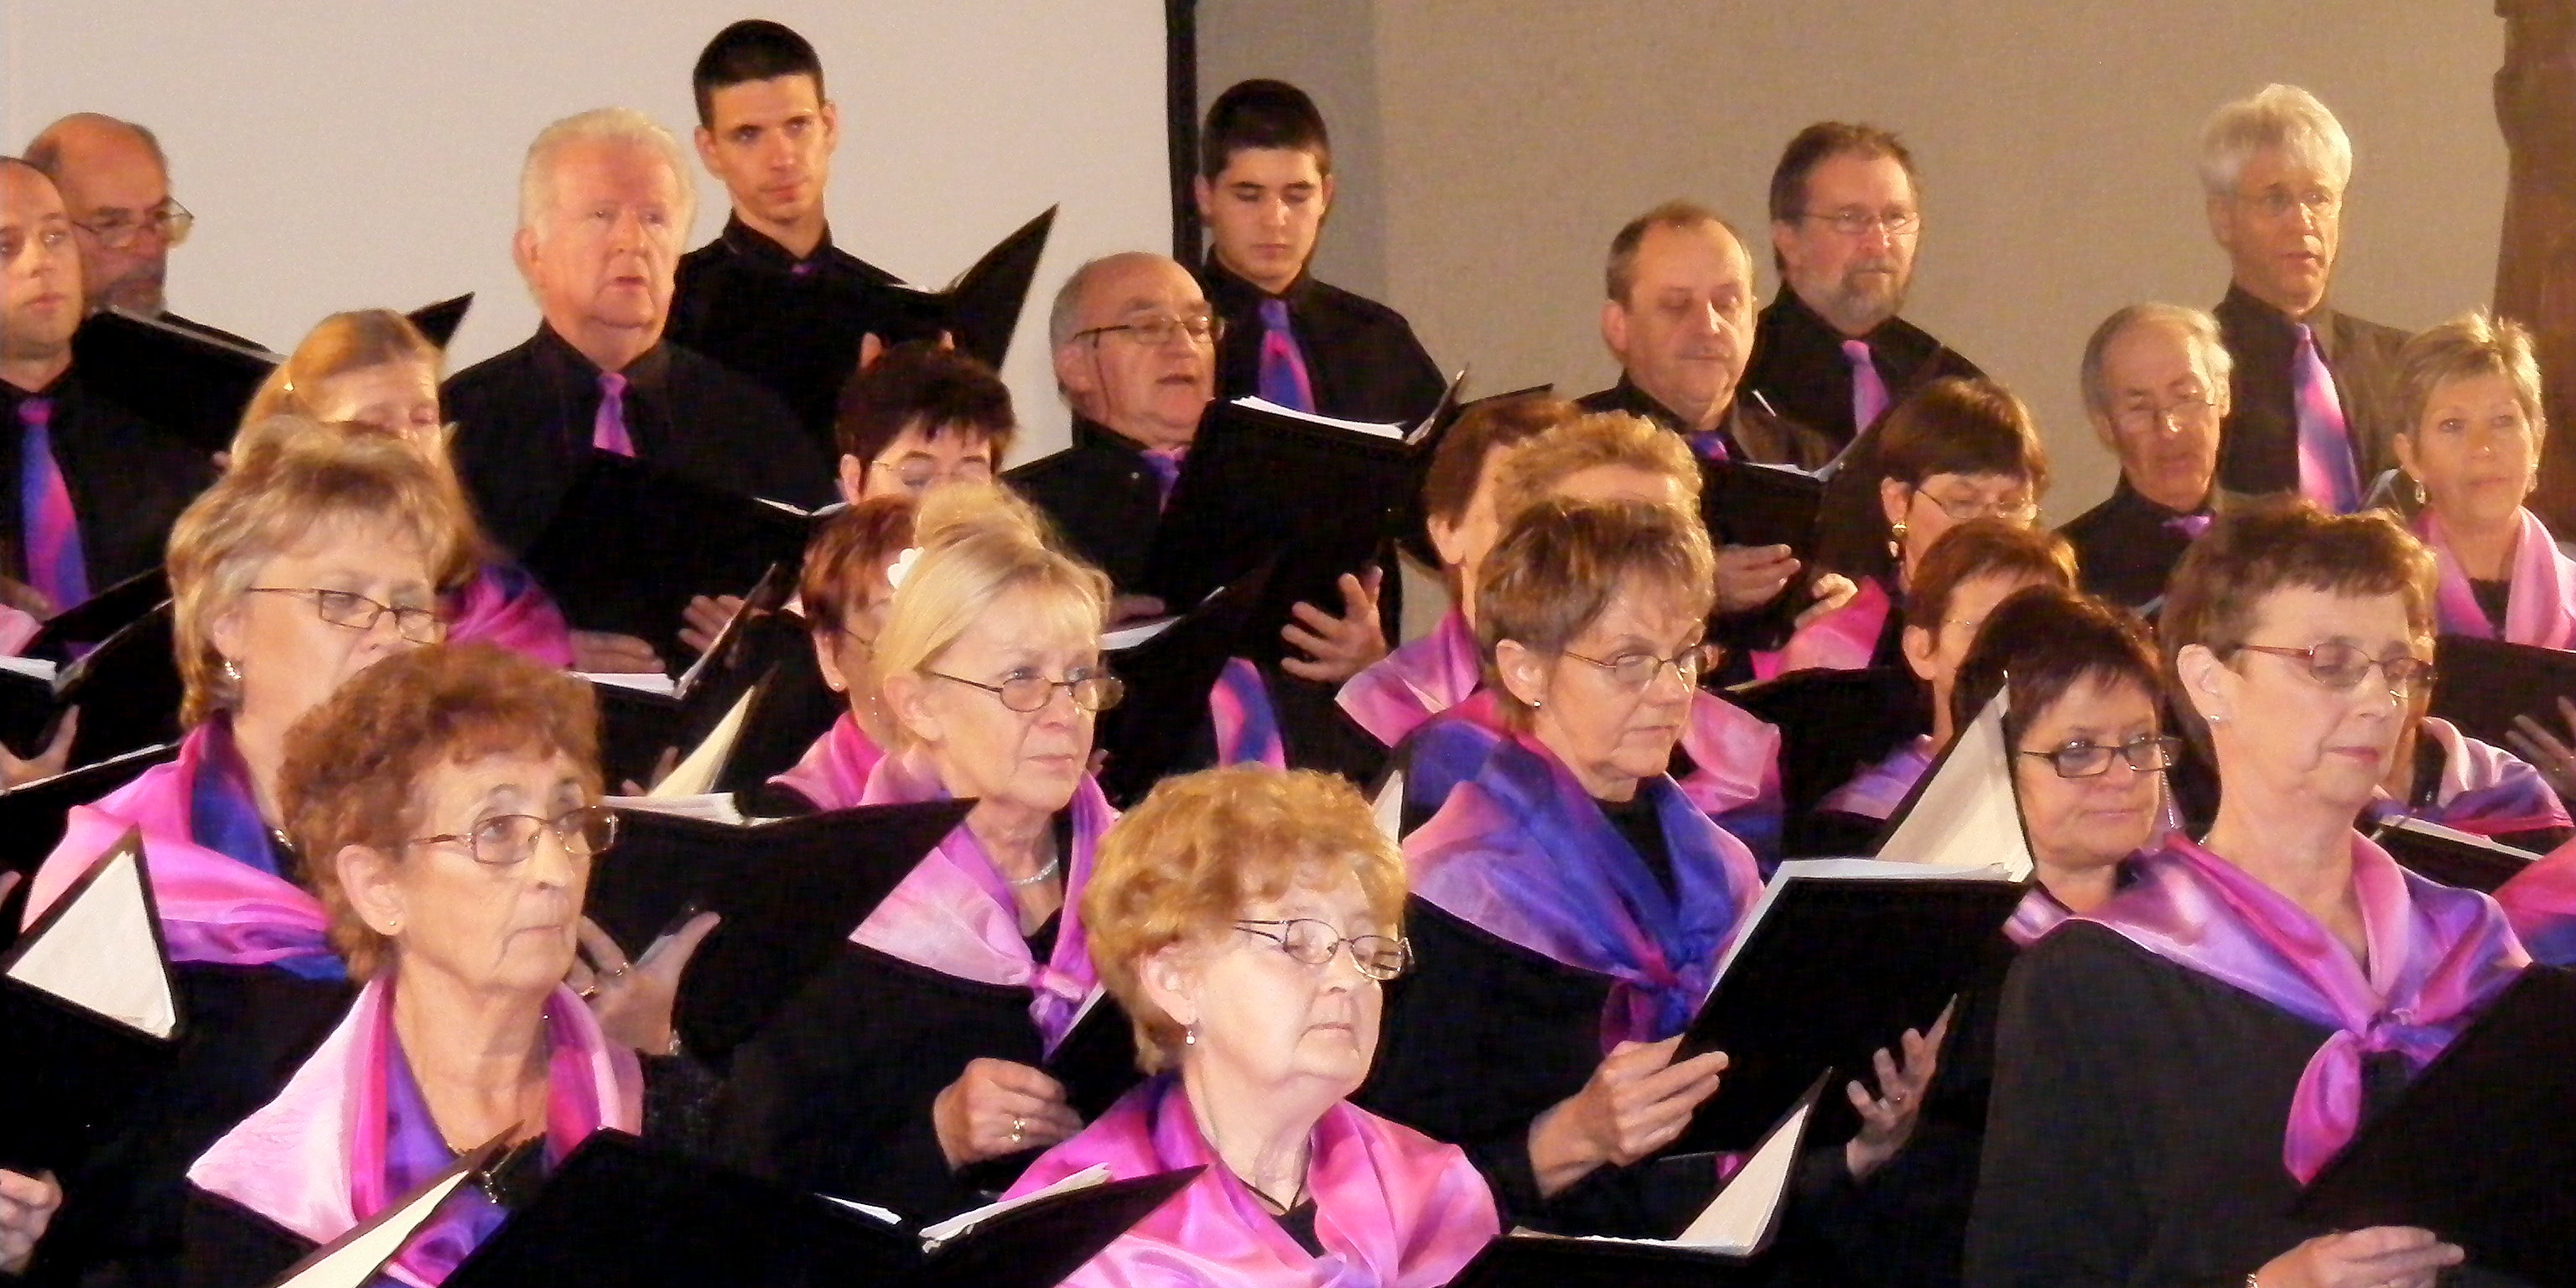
{"points": [[1372, 428], [640, 681], [1134, 633], [100, 953], [36, 667], [1733, 1222], [1389, 806], [1968, 816], [355, 1263], [695, 775], [1096, 1174], [715, 807]]}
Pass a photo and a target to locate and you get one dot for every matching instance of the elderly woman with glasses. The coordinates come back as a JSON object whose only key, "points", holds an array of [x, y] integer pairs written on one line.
{"points": [[1571, 902], [448, 805], [914, 1072], [1247, 920], [1954, 450], [2172, 1066]]}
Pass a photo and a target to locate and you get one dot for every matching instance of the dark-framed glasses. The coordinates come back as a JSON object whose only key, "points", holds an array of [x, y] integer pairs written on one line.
{"points": [[1029, 693], [1158, 329], [1861, 223], [1634, 671], [2093, 759], [357, 612], [117, 230], [2338, 665], [506, 840], [1312, 942]]}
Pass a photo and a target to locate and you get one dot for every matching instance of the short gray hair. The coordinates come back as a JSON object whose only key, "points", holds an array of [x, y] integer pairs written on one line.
{"points": [[2199, 333], [2277, 117], [599, 125]]}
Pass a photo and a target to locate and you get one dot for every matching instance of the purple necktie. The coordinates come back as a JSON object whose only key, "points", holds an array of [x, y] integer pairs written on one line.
{"points": [[1164, 463], [1283, 366], [54, 565], [2189, 526], [2327, 475], [608, 428], [1869, 391], [1707, 444]]}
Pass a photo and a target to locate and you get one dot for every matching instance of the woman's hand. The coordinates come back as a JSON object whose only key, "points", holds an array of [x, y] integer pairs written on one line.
{"points": [[1129, 608], [1750, 576], [996, 1108], [27, 1205], [1339, 647], [27, 599], [2555, 760], [2396, 1256], [1832, 590], [1637, 1102], [54, 759], [602, 653], [633, 999], [705, 618], [1887, 1120]]}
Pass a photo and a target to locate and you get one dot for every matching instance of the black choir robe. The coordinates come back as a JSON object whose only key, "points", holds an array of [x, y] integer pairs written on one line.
{"points": [[249, 1028], [523, 426], [1799, 370], [2135, 1128], [2258, 443], [792, 324], [210, 332], [1750, 433], [128, 481], [2126, 547], [1362, 359], [1101, 497]]}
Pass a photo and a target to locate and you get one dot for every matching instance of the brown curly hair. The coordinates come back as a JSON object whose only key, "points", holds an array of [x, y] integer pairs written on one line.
{"points": [[1205, 846], [354, 764]]}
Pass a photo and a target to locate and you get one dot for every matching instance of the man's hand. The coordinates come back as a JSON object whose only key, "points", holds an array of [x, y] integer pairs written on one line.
{"points": [[1340, 647], [1750, 576]]}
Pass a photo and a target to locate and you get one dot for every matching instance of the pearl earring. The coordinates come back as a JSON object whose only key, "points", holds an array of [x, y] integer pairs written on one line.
{"points": [[1896, 540], [1190, 1036], [2419, 492]]}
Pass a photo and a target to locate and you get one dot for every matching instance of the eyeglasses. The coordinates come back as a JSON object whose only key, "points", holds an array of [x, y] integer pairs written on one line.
{"points": [[1861, 223], [918, 477], [1313, 942], [2344, 666], [2280, 203], [506, 840], [1162, 328], [2188, 411], [359, 613], [1029, 694], [2093, 759], [1637, 670], [50, 239], [1963, 509], [117, 230]]}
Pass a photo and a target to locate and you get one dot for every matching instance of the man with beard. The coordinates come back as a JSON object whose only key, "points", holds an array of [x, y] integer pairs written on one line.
{"points": [[1830, 351], [115, 182], [2155, 388], [2313, 409]]}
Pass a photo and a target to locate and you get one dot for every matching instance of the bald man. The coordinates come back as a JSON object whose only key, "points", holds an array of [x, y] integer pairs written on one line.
{"points": [[87, 492], [115, 184]]}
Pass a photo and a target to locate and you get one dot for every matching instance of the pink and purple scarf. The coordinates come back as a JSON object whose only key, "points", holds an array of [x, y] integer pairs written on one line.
{"points": [[504, 605], [1845, 639], [2542, 609], [2540, 901], [1247, 721], [1393, 1208], [2485, 790], [1875, 792], [2436, 955], [351, 1134], [834, 773], [955, 913]]}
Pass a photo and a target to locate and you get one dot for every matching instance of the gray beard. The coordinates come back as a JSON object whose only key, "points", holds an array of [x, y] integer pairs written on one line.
{"points": [[1857, 310]]}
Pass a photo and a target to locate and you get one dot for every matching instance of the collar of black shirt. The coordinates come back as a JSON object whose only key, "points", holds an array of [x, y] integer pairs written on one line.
{"points": [[1231, 293], [762, 249], [1091, 433], [648, 372], [2128, 497], [2249, 318]]}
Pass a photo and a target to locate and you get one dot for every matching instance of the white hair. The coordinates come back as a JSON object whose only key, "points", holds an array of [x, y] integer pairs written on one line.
{"points": [[2197, 330], [599, 125], [2278, 117]]}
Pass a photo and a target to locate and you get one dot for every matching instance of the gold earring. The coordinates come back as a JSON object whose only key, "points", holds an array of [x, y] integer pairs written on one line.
{"points": [[2419, 491], [1896, 539]]}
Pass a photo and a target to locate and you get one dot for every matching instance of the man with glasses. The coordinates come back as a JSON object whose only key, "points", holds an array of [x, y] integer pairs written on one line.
{"points": [[2313, 409], [1135, 345], [115, 183], [87, 492], [2155, 380], [1830, 351]]}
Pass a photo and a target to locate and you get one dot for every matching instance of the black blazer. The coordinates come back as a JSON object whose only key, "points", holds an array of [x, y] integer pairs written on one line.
{"points": [[128, 481], [2258, 443], [793, 325]]}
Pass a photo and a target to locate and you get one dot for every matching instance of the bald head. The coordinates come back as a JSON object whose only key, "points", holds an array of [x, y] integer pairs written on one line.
{"points": [[1134, 350], [115, 183]]}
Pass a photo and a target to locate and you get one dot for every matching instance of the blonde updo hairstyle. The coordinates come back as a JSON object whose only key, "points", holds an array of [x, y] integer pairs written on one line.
{"points": [[977, 546], [299, 477], [339, 344]]}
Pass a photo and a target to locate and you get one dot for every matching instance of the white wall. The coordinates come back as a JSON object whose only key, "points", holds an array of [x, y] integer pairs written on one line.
{"points": [[367, 153]]}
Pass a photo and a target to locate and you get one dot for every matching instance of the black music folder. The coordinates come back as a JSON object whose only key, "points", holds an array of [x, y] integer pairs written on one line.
{"points": [[1168, 668], [128, 691], [790, 893], [2480, 1149], [2452, 857], [352, 1260], [981, 309], [2481, 685], [34, 816], [631, 545]]}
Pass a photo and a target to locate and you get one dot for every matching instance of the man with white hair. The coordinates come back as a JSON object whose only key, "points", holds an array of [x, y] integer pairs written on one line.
{"points": [[2155, 389], [2313, 405], [604, 205]]}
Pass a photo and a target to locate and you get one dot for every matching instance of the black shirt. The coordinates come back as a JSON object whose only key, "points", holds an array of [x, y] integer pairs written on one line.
{"points": [[1101, 497], [1639, 825], [2495, 598], [1749, 433], [2126, 547], [2258, 443], [128, 480], [524, 417], [792, 324], [1799, 369], [1299, 1222], [1362, 359]]}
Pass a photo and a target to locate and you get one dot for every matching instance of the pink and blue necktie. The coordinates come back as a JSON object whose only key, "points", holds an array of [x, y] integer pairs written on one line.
{"points": [[608, 427], [54, 564], [2327, 474], [1283, 378], [1164, 463], [1869, 389]]}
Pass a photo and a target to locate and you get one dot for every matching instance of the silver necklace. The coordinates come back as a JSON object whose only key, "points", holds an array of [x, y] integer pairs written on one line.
{"points": [[1052, 865]]}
